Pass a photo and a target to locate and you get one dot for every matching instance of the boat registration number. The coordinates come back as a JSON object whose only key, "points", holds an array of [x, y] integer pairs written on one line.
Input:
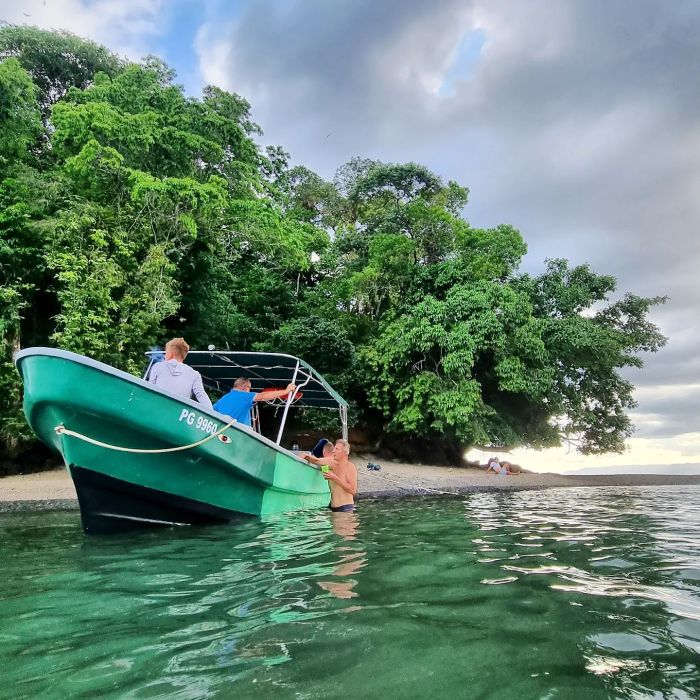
{"points": [[199, 422]]}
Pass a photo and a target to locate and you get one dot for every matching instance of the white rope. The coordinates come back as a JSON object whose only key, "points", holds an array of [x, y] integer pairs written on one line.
{"points": [[62, 430], [413, 486]]}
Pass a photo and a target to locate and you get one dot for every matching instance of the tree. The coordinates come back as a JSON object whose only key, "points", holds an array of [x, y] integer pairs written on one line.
{"points": [[130, 212], [589, 399], [20, 260], [470, 367], [463, 349], [20, 118], [56, 60]]}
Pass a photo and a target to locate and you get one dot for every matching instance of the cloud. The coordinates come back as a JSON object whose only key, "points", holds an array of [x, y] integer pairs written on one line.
{"points": [[124, 26], [676, 450], [348, 69], [575, 121], [667, 410], [679, 362]]}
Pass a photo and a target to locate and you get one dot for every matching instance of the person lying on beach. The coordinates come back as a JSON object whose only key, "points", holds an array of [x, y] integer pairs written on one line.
{"points": [[505, 468], [493, 465], [342, 477], [497, 467], [508, 469], [238, 402]]}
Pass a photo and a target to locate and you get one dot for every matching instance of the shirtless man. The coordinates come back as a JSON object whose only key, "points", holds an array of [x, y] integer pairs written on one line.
{"points": [[342, 477]]}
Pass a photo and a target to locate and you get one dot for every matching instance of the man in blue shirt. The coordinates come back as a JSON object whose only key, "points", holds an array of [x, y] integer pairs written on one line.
{"points": [[238, 402]]}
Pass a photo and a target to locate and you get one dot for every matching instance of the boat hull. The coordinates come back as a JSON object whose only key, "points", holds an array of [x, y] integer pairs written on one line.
{"points": [[219, 480], [110, 505]]}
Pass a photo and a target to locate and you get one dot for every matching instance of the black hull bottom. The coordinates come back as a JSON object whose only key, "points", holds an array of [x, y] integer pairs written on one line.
{"points": [[109, 505]]}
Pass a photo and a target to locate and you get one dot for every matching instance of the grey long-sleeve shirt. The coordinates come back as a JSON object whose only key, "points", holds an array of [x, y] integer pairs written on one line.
{"points": [[180, 379]]}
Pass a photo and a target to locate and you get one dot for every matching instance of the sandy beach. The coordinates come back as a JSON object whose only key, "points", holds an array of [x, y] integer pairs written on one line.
{"points": [[53, 490]]}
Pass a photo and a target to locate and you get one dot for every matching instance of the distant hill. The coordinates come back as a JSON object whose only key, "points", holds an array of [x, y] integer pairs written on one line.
{"points": [[679, 469]]}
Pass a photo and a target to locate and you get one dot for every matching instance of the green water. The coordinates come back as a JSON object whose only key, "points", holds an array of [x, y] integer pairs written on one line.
{"points": [[566, 593]]}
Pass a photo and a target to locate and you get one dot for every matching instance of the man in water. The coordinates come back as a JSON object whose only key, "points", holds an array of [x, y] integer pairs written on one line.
{"points": [[342, 477], [238, 402], [175, 376]]}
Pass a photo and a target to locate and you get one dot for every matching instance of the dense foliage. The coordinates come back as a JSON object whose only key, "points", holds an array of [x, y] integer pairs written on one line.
{"points": [[130, 212]]}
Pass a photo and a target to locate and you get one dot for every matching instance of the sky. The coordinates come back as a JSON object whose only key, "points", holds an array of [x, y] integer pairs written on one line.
{"points": [[576, 121]]}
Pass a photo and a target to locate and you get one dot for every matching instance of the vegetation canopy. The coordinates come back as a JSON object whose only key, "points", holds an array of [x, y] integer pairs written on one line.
{"points": [[130, 213]]}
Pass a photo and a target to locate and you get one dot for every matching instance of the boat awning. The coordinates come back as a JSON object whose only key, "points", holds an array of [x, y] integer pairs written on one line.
{"points": [[265, 370]]}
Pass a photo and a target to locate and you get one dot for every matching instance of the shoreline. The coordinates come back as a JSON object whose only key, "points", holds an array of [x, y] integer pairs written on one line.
{"points": [[53, 490]]}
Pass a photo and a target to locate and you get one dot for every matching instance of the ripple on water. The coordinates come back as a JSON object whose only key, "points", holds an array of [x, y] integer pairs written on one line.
{"points": [[624, 642], [587, 593]]}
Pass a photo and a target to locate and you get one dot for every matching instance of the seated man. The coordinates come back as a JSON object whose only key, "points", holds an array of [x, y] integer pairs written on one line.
{"points": [[325, 458], [342, 477], [238, 402], [175, 376], [318, 448], [327, 454]]}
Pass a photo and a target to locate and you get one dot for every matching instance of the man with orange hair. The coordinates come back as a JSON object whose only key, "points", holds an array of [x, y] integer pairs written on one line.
{"points": [[175, 376]]}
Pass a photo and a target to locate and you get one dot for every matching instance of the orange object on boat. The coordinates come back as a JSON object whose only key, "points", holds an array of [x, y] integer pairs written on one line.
{"points": [[297, 396]]}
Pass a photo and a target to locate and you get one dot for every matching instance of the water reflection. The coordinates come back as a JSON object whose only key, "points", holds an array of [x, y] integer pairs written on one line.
{"points": [[350, 561], [565, 594], [213, 597]]}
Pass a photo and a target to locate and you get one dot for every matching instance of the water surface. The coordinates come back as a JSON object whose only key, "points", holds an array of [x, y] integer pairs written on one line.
{"points": [[564, 593]]}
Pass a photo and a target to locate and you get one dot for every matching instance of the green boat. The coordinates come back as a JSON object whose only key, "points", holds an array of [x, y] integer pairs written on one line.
{"points": [[140, 456]]}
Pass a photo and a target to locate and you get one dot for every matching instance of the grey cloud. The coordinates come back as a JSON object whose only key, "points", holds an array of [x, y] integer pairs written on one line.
{"points": [[345, 68], [668, 367], [668, 419], [578, 124], [676, 364], [586, 56]]}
